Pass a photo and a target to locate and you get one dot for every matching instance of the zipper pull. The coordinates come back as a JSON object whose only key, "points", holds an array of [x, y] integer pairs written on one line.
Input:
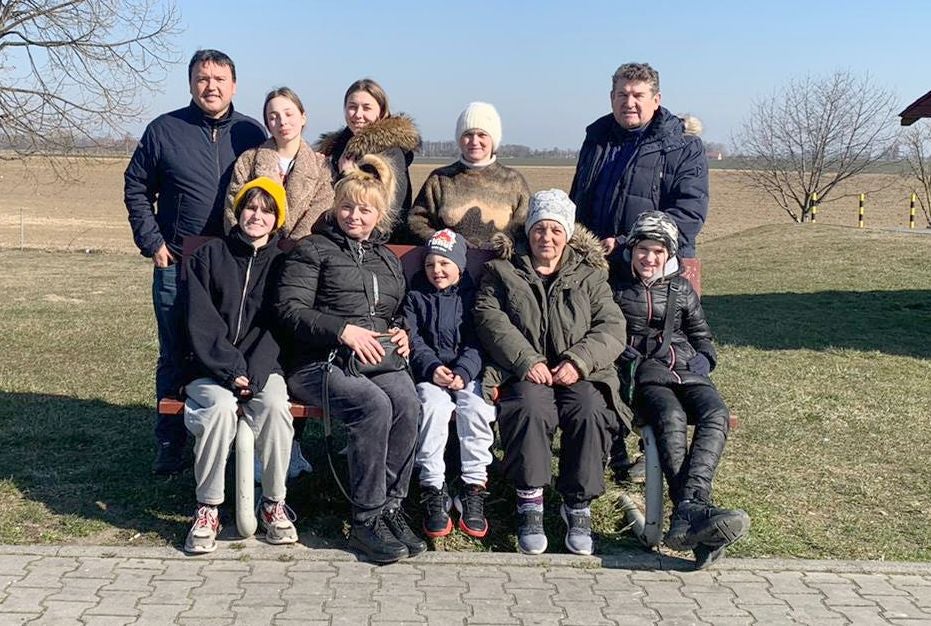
{"points": [[213, 134]]}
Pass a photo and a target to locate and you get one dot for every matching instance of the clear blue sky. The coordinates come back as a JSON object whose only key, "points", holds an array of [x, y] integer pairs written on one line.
{"points": [[546, 66]]}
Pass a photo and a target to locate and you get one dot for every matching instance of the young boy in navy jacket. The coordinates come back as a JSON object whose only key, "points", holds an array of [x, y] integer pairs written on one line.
{"points": [[235, 364], [446, 363]]}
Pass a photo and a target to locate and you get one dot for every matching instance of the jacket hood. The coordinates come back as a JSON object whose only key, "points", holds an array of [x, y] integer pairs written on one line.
{"points": [[583, 242], [397, 131]]}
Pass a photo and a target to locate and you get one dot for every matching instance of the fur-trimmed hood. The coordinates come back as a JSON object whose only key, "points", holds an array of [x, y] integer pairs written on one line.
{"points": [[583, 242], [397, 131]]}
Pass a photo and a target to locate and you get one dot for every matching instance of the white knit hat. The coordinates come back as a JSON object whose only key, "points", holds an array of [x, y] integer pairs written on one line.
{"points": [[551, 204], [482, 116]]}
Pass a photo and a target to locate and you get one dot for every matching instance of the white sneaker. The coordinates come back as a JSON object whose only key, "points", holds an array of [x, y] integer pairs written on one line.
{"points": [[298, 464], [202, 538], [277, 519]]}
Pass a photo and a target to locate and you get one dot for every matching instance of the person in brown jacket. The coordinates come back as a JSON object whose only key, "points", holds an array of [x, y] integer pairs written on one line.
{"points": [[287, 158]]}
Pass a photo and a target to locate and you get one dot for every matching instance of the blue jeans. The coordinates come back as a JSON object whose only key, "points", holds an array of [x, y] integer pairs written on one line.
{"points": [[169, 317]]}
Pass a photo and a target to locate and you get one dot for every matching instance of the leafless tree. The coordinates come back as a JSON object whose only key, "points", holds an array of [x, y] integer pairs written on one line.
{"points": [[75, 71], [916, 144], [813, 134]]}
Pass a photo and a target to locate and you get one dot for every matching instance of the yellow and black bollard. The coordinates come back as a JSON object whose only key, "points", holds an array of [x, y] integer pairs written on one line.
{"points": [[911, 211], [814, 206], [860, 213]]}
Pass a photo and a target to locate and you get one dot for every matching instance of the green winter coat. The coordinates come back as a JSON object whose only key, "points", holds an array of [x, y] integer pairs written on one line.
{"points": [[515, 318]]}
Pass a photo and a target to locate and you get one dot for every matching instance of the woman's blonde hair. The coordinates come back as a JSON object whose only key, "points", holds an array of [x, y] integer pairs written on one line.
{"points": [[369, 181]]}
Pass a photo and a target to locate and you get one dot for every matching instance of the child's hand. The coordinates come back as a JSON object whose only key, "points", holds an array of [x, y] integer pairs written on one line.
{"points": [[565, 374], [457, 384], [400, 338], [540, 374], [443, 376], [242, 387]]}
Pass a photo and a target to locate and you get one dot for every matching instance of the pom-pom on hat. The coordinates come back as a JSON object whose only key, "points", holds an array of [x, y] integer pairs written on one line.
{"points": [[450, 245], [482, 116], [655, 226], [551, 204], [274, 189]]}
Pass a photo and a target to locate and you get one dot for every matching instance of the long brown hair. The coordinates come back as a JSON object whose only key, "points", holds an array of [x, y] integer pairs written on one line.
{"points": [[373, 89]]}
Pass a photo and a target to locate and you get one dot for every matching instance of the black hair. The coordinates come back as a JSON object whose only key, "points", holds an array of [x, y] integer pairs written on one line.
{"points": [[211, 56]]}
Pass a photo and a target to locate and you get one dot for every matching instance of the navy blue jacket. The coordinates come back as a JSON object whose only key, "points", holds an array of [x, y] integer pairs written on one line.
{"points": [[668, 172], [183, 163], [441, 329], [229, 317]]}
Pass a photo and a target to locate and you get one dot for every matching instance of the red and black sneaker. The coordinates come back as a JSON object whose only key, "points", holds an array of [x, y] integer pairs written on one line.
{"points": [[436, 505], [470, 502]]}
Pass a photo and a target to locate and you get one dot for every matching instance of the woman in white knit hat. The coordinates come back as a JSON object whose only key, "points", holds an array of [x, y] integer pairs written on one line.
{"points": [[476, 196]]}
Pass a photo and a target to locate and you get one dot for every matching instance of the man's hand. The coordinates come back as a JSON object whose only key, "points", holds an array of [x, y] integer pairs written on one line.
{"points": [[163, 257], [443, 376], [540, 374], [565, 374], [608, 243]]}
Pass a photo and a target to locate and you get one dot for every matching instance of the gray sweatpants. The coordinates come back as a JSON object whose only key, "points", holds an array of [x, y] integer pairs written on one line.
{"points": [[473, 423], [210, 415]]}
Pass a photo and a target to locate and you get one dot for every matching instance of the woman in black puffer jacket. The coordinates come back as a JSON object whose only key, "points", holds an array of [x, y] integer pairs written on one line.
{"points": [[341, 286], [672, 385]]}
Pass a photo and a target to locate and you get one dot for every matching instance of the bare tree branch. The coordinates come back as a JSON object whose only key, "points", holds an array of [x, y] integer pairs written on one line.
{"points": [[917, 143], [77, 71], [813, 134]]}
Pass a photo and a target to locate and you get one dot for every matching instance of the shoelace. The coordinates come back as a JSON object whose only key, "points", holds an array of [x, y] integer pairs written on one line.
{"points": [[381, 530], [398, 518], [433, 501], [474, 501], [280, 512], [206, 518]]}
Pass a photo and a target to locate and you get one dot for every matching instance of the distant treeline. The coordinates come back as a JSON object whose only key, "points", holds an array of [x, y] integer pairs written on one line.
{"points": [[507, 150]]}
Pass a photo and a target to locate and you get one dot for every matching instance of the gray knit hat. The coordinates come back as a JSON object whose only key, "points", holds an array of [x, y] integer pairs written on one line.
{"points": [[551, 204], [656, 226], [447, 243]]}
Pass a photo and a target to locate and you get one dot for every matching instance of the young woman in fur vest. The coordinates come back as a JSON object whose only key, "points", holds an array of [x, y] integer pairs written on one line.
{"points": [[476, 196], [372, 129], [286, 158]]}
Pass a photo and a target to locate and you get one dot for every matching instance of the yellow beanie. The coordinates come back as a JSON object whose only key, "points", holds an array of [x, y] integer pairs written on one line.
{"points": [[274, 189]]}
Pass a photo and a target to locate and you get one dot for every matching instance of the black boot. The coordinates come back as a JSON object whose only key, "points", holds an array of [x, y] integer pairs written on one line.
{"points": [[375, 541], [397, 524], [695, 522]]}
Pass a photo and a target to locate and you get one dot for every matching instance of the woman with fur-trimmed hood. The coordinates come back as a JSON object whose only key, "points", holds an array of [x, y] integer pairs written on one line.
{"points": [[372, 129], [551, 331], [342, 287], [288, 159]]}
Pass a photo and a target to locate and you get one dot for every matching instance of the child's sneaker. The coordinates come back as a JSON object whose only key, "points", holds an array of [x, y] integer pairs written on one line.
{"points": [[578, 529], [277, 519], [202, 538], [436, 505], [531, 539], [298, 464], [470, 502]]}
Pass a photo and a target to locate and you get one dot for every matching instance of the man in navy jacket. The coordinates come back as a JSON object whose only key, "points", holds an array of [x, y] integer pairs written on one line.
{"points": [[639, 158], [182, 166]]}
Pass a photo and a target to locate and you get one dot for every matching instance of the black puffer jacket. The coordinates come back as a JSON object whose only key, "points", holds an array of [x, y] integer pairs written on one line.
{"points": [[228, 318], [644, 309], [330, 280]]}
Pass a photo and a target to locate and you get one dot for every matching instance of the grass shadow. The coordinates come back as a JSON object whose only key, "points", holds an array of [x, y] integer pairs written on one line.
{"points": [[883, 321]]}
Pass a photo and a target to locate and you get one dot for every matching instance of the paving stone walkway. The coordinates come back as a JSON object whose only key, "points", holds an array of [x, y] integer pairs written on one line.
{"points": [[252, 583]]}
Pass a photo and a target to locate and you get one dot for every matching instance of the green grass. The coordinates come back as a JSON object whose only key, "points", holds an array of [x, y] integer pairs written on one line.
{"points": [[824, 357]]}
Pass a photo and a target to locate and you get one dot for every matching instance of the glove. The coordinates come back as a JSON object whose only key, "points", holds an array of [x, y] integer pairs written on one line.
{"points": [[699, 364]]}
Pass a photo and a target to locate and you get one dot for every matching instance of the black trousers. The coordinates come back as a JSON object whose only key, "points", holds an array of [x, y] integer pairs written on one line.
{"points": [[381, 414], [528, 415], [689, 469]]}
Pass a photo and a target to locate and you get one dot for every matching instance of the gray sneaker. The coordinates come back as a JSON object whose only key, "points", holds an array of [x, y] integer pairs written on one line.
{"points": [[277, 519], [531, 539], [578, 530], [202, 538]]}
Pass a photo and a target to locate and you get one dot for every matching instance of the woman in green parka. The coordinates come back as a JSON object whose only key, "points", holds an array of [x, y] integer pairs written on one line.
{"points": [[551, 330]]}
